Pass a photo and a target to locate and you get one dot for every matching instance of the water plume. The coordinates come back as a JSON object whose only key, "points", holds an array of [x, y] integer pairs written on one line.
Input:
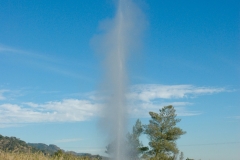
{"points": [[119, 39]]}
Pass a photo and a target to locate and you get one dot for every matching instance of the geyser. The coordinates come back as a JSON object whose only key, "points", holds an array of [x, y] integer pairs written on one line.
{"points": [[120, 38]]}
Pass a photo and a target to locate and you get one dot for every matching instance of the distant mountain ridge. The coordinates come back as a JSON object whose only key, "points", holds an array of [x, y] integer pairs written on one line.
{"points": [[47, 149]]}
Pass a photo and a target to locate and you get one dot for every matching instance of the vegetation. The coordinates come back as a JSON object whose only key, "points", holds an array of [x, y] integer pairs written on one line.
{"points": [[46, 149], [40, 156], [12, 148], [13, 144], [181, 156], [134, 147], [163, 133]]}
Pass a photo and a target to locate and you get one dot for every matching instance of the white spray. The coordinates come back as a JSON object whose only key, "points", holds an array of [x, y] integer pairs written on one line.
{"points": [[120, 39]]}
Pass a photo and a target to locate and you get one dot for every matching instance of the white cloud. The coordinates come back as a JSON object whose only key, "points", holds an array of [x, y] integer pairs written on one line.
{"points": [[154, 91], [142, 109], [142, 99], [67, 110], [152, 97]]}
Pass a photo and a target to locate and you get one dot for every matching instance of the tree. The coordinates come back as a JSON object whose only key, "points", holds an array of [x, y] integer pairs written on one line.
{"points": [[58, 154], [181, 156], [163, 133], [135, 147]]}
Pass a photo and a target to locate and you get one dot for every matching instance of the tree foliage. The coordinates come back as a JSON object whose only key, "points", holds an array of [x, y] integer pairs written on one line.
{"points": [[163, 133], [181, 157], [134, 147], [13, 144]]}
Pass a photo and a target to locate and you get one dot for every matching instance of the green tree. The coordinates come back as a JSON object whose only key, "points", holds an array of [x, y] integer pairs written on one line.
{"points": [[58, 154], [181, 157], [135, 147], [163, 133]]}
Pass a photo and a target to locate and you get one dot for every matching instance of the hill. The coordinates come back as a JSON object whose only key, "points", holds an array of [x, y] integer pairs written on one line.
{"points": [[47, 149], [13, 144]]}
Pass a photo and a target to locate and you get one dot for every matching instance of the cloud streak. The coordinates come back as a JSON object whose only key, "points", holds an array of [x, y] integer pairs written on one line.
{"points": [[150, 92], [68, 140], [46, 62]]}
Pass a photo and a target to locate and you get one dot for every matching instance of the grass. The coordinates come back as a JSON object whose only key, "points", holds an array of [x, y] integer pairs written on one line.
{"points": [[39, 156]]}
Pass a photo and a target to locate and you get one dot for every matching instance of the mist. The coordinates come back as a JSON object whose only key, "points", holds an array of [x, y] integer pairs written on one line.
{"points": [[118, 41]]}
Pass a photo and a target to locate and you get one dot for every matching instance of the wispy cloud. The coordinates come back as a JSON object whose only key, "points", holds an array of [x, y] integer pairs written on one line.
{"points": [[234, 117], [68, 140], [142, 109], [150, 92], [6, 49], [2, 97], [152, 97], [43, 61], [237, 117], [32, 55], [142, 99], [9, 95]]}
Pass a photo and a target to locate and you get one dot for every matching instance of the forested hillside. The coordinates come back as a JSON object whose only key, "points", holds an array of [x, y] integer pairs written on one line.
{"points": [[13, 144], [9, 145], [47, 149]]}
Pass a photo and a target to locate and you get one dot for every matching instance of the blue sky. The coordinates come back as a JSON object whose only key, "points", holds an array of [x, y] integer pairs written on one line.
{"points": [[189, 57]]}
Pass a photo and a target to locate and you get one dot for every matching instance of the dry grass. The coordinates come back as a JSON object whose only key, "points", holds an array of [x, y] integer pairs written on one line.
{"points": [[38, 156]]}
